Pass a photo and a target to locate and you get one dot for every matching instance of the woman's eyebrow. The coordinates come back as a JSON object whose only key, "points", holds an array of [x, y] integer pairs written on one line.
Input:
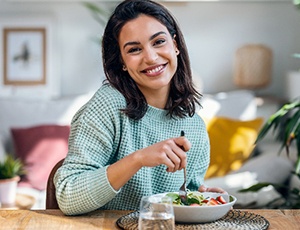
{"points": [[156, 34], [130, 43], [151, 38]]}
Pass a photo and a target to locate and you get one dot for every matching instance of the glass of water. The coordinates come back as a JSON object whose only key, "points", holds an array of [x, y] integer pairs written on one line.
{"points": [[156, 212]]}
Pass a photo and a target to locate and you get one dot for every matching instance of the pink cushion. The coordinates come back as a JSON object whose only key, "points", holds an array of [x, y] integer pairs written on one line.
{"points": [[40, 148]]}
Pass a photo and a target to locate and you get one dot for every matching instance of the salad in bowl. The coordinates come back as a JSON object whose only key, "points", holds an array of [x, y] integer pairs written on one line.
{"points": [[201, 207], [197, 199]]}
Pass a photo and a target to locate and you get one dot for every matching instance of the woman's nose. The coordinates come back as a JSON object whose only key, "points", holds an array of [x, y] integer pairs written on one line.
{"points": [[150, 55]]}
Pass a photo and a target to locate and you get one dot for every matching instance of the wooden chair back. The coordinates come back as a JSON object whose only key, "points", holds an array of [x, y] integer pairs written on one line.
{"points": [[51, 202]]}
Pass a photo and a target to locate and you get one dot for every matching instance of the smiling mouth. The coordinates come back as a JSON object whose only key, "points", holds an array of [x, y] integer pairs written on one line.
{"points": [[154, 70]]}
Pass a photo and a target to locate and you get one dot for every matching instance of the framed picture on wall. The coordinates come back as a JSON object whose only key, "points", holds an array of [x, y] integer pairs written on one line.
{"points": [[24, 56]]}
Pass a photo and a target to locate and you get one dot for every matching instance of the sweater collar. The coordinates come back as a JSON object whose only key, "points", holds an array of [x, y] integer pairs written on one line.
{"points": [[157, 114]]}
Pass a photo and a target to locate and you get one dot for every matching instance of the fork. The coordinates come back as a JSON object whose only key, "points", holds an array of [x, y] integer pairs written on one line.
{"points": [[182, 190]]}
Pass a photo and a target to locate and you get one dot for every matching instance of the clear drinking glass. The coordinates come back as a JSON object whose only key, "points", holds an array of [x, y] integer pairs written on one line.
{"points": [[156, 212]]}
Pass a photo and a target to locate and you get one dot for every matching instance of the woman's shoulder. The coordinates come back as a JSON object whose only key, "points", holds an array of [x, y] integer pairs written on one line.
{"points": [[109, 96], [198, 120], [197, 124], [108, 90], [106, 100]]}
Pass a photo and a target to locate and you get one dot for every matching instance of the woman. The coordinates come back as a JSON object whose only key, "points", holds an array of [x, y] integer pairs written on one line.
{"points": [[125, 142]]}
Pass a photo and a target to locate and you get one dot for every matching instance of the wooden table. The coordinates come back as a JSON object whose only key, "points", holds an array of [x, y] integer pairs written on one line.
{"points": [[55, 219], [22, 202]]}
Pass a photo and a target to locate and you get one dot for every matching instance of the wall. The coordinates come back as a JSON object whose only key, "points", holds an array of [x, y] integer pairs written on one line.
{"points": [[213, 30]]}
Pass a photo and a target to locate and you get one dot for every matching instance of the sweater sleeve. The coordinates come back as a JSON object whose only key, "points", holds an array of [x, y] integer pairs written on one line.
{"points": [[81, 183]]}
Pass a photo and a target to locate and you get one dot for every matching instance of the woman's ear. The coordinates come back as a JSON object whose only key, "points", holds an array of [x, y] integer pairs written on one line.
{"points": [[175, 45]]}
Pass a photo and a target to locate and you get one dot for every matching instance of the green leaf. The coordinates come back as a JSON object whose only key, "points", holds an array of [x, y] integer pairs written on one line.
{"points": [[276, 119], [95, 9], [255, 188], [193, 200], [175, 197], [10, 168], [297, 3]]}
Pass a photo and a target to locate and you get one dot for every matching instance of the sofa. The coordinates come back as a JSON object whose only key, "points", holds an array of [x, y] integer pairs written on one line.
{"points": [[233, 121], [37, 132]]}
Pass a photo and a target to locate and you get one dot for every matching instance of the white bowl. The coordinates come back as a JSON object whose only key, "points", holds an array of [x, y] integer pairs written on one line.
{"points": [[203, 214]]}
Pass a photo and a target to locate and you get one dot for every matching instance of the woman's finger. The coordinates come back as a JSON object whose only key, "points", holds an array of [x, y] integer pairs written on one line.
{"points": [[183, 143]]}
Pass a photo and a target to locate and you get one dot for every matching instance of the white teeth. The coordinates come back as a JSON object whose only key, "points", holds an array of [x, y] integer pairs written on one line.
{"points": [[155, 69]]}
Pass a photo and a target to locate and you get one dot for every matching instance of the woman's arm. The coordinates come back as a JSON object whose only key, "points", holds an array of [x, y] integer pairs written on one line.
{"points": [[168, 152]]}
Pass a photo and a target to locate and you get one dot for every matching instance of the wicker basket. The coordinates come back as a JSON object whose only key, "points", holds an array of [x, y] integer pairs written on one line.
{"points": [[253, 66]]}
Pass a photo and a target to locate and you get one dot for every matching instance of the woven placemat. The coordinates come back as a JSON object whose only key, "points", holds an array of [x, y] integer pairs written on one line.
{"points": [[234, 219]]}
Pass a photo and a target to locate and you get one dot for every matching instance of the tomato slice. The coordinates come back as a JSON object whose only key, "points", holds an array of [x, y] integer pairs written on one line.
{"points": [[195, 205], [221, 199]]}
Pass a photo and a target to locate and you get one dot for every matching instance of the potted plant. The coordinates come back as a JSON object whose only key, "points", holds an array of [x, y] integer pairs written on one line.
{"points": [[286, 122], [10, 171]]}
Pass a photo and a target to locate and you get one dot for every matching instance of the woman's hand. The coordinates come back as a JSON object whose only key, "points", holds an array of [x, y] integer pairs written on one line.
{"points": [[203, 188], [170, 152]]}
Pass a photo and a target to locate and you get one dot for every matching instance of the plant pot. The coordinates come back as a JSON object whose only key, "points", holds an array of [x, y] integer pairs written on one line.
{"points": [[8, 190]]}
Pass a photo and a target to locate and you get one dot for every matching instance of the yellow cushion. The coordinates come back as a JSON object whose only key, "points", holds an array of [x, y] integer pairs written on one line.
{"points": [[232, 142]]}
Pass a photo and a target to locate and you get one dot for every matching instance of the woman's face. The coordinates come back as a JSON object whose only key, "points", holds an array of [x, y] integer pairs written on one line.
{"points": [[149, 54]]}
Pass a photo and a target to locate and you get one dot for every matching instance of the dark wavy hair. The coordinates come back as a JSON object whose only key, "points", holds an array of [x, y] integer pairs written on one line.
{"points": [[183, 96]]}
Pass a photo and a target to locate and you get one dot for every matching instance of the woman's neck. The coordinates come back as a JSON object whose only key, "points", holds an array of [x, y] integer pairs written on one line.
{"points": [[157, 102], [157, 98]]}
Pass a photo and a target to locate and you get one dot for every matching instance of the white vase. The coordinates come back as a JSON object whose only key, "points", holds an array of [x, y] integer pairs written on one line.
{"points": [[8, 190], [292, 85]]}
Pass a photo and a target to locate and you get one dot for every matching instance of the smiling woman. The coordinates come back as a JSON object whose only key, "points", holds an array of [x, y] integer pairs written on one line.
{"points": [[125, 142], [151, 60]]}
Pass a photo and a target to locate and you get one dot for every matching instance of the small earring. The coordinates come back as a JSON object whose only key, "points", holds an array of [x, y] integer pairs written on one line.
{"points": [[177, 51], [124, 68]]}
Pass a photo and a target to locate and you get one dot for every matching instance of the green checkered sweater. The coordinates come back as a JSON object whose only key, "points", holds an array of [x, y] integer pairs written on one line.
{"points": [[101, 135]]}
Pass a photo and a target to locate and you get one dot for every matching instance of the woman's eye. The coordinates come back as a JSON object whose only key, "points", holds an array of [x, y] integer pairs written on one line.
{"points": [[134, 50], [159, 41]]}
